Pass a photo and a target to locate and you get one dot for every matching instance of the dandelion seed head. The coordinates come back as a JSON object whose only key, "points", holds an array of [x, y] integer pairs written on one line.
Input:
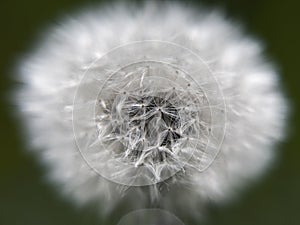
{"points": [[158, 96]]}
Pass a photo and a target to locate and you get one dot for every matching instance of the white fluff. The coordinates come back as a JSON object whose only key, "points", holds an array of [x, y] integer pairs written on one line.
{"points": [[254, 108]]}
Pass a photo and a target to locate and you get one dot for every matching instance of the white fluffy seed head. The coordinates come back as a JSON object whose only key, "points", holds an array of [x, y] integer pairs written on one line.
{"points": [[157, 95]]}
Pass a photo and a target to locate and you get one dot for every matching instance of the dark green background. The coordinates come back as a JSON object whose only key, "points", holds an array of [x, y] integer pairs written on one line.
{"points": [[26, 199]]}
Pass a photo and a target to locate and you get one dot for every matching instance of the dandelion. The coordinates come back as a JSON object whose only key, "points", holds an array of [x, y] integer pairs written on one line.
{"points": [[151, 102]]}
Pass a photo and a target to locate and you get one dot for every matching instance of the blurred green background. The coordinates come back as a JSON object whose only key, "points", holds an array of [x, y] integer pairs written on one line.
{"points": [[26, 199]]}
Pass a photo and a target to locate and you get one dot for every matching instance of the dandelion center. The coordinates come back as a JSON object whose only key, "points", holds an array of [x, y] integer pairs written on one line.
{"points": [[150, 121], [152, 124]]}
